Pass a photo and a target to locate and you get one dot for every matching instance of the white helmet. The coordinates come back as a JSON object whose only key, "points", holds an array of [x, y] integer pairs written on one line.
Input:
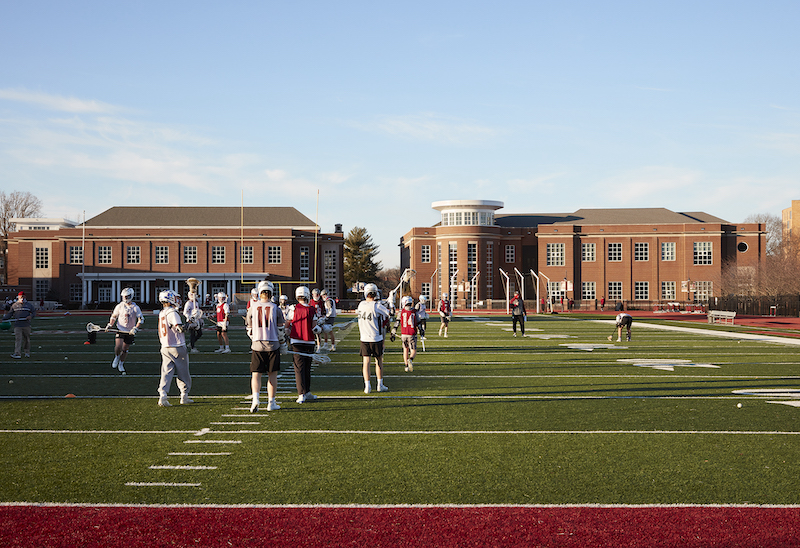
{"points": [[324, 293], [422, 299], [284, 299], [265, 286], [444, 296], [127, 294], [315, 293], [222, 297], [302, 292], [371, 288], [406, 301], [169, 297], [254, 293]]}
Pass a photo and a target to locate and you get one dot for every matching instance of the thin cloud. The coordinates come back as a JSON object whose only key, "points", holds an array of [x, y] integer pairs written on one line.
{"points": [[57, 102], [431, 128]]}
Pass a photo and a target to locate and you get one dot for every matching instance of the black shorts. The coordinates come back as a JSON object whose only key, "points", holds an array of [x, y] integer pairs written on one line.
{"points": [[625, 322], [372, 349], [127, 338], [267, 361]]}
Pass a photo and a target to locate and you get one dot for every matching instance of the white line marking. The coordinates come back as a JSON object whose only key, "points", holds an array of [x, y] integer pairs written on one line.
{"points": [[203, 431], [160, 484], [181, 467], [792, 403], [224, 423], [198, 454], [212, 441]]}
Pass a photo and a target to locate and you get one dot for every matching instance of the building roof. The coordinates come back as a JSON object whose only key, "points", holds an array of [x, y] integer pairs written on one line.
{"points": [[622, 216], [190, 216]]}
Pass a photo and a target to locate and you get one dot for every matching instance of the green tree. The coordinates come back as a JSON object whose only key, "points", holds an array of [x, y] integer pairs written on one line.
{"points": [[359, 257]]}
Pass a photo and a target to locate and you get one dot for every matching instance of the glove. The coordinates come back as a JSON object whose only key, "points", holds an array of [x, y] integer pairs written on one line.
{"points": [[133, 331], [108, 327]]}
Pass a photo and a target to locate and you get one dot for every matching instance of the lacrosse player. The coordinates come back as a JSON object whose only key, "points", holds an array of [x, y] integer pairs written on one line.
{"points": [[518, 313], [445, 313], [264, 323], [623, 320], [329, 309], [223, 314], [303, 328], [373, 318], [174, 358], [22, 311], [129, 319], [422, 316], [194, 320], [408, 331]]}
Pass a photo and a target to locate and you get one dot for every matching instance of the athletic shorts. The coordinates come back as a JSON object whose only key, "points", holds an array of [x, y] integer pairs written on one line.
{"points": [[409, 341], [268, 361], [626, 322], [445, 319], [222, 328], [371, 349], [127, 338], [330, 321]]}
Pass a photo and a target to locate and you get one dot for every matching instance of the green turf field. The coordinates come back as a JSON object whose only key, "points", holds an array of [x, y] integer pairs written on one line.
{"points": [[561, 416]]}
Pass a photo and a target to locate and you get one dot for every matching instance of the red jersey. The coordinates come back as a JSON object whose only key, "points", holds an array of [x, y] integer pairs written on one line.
{"points": [[222, 311], [408, 322], [444, 306], [302, 319]]}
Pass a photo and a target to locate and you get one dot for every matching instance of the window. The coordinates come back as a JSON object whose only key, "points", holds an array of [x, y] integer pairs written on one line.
{"points": [[703, 290], [555, 254], [305, 262], [42, 257], [162, 254], [76, 254], [75, 293], [134, 253], [511, 253], [452, 253], [104, 292], [459, 220], [426, 290], [330, 270], [703, 253], [190, 254], [641, 251], [614, 253], [615, 291], [667, 251], [247, 254], [588, 290], [441, 267], [217, 254], [555, 290], [274, 254], [42, 287], [489, 270], [588, 252], [641, 291], [425, 255], [472, 263], [104, 255], [668, 291]]}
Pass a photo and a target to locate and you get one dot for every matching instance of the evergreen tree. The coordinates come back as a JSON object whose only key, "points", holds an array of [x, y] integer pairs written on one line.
{"points": [[359, 257]]}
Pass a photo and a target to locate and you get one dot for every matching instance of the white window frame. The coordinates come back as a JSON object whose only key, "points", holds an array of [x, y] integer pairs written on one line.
{"points": [[615, 291], [669, 291], [133, 253], [641, 291], [641, 251], [703, 253], [217, 254], [162, 254], [511, 253], [588, 252], [42, 257], [305, 263], [105, 254], [555, 254], [668, 251], [425, 254], [76, 254], [190, 254], [246, 254], [274, 254], [614, 252], [588, 290]]}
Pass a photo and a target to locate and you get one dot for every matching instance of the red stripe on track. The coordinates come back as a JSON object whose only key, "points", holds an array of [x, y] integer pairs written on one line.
{"points": [[70, 527]]}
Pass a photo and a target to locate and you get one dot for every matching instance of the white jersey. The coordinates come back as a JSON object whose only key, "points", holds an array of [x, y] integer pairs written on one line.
{"points": [[168, 320], [422, 311], [372, 317], [127, 315], [192, 310], [330, 308], [263, 321]]}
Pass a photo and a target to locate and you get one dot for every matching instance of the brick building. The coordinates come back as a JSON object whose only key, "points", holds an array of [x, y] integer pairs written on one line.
{"points": [[154, 248], [647, 255]]}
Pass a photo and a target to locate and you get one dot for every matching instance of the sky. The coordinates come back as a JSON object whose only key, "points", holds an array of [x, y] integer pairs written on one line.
{"points": [[364, 113]]}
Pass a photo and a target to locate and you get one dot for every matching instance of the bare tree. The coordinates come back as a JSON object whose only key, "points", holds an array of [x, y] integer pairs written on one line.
{"points": [[774, 226], [16, 205]]}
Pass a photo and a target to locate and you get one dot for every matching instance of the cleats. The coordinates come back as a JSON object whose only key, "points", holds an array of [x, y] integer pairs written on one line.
{"points": [[254, 406], [164, 402], [367, 389], [273, 405], [115, 363], [186, 400], [301, 398], [121, 368], [382, 388]]}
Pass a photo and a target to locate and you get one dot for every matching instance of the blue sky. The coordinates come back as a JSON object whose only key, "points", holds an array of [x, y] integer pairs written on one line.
{"points": [[386, 107]]}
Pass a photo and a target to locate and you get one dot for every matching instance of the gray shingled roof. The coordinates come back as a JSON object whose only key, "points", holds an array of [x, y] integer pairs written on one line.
{"points": [[200, 216], [622, 216]]}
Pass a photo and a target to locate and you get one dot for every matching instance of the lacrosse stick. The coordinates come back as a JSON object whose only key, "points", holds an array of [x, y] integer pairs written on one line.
{"points": [[610, 337], [92, 328], [316, 358]]}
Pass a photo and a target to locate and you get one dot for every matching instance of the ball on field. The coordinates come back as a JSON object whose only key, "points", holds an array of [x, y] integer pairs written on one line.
{"points": [[66, 358], [739, 405]]}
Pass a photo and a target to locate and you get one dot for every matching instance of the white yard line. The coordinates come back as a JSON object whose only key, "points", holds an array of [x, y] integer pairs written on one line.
{"points": [[711, 332]]}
